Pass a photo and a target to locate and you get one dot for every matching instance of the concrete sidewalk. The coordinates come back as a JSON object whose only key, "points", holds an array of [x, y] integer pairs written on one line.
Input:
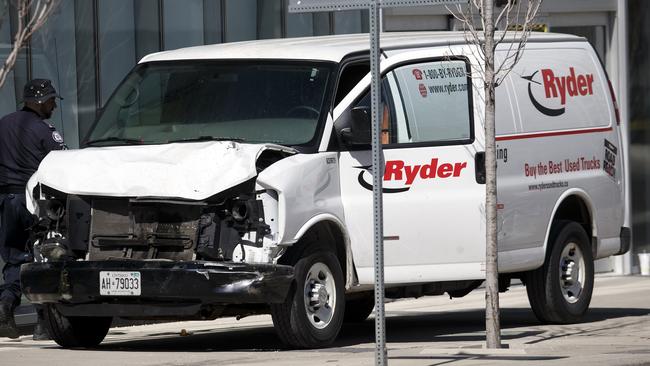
{"points": [[427, 331], [616, 331]]}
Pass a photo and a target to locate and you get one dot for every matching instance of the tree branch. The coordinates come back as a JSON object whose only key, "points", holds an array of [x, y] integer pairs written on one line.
{"points": [[26, 26]]}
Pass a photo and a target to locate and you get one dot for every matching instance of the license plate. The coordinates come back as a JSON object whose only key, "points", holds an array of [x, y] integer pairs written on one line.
{"points": [[120, 283]]}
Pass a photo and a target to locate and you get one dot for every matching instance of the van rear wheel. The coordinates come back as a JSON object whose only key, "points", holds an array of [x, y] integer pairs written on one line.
{"points": [[75, 332], [560, 291]]}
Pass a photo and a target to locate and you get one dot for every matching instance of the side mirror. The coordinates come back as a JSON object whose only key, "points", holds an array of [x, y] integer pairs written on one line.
{"points": [[360, 128]]}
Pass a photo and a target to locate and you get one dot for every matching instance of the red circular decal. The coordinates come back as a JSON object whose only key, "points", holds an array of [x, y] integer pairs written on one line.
{"points": [[423, 90]]}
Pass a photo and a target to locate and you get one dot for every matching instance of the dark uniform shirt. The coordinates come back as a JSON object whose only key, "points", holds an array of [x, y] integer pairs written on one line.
{"points": [[25, 139]]}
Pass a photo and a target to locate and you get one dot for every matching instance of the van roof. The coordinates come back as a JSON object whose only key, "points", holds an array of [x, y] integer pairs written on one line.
{"points": [[326, 48]]}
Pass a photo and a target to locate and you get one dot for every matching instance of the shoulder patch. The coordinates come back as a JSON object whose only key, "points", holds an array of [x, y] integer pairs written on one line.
{"points": [[57, 137]]}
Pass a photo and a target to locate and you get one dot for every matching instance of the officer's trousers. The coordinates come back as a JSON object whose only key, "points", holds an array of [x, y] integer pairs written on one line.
{"points": [[15, 221]]}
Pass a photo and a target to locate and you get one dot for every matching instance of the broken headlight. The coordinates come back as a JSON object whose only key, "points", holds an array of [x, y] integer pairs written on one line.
{"points": [[58, 232]]}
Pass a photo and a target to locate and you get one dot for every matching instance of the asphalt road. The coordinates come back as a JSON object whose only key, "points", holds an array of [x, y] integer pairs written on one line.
{"points": [[426, 331]]}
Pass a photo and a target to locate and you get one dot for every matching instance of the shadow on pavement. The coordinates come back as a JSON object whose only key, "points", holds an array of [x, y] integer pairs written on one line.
{"points": [[458, 326], [402, 327]]}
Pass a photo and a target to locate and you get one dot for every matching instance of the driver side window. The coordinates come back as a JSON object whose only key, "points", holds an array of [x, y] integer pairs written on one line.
{"points": [[425, 103], [435, 101]]}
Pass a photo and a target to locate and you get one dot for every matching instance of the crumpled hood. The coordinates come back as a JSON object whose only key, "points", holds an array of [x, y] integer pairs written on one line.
{"points": [[192, 171]]}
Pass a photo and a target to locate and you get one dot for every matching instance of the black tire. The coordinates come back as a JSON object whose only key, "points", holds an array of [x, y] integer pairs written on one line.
{"points": [[292, 318], [75, 332], [358, 309], [555, 297]]}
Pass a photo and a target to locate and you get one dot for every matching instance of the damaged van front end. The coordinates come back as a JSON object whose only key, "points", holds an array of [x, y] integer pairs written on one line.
{"points": [[188, 199], [103, 248], [161, 214]]}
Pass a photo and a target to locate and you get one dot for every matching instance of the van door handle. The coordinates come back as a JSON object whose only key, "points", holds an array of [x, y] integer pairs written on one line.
{"points": [[479, 167]]}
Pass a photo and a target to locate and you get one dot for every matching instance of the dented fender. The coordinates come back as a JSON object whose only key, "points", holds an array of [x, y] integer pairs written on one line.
{"points": [[308, 192], [307, 186]]}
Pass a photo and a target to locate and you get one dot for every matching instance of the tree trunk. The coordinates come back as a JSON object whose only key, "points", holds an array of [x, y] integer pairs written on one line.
{"points": [[492, 326]]}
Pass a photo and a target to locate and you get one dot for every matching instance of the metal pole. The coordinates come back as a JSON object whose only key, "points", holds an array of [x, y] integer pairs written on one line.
{"points": [[377, 177]]}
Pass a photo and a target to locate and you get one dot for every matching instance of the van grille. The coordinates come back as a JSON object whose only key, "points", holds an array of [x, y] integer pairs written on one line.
{"points": [[121, 228]]}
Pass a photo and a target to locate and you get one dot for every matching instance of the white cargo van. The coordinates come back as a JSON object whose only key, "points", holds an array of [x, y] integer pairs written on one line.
{"points": [[235, 179]]}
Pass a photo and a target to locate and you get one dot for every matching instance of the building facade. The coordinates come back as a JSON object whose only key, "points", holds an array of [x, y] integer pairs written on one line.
{"points": [[88, 46]]}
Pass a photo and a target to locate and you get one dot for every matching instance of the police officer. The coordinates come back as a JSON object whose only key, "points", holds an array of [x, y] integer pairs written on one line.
{"points": [[25, 139]]}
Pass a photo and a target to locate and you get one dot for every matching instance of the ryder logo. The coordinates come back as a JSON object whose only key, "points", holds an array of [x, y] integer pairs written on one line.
{"points": [[399, 172], [417, 73], [554, 87]]}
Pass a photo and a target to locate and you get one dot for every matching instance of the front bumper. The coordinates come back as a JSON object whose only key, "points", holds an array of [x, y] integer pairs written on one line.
{"points": [[168, 288]]}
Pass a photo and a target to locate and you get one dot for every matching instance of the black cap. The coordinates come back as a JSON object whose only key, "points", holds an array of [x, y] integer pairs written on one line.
{"points": [[39, 91]]}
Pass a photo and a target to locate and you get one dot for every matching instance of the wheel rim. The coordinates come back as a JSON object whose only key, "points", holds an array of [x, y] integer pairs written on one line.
{"points": [[572, 272], [320, 295]]}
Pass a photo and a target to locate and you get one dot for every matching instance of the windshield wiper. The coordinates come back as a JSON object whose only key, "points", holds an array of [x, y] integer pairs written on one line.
{"points": [[207, 138], [114, 139]]}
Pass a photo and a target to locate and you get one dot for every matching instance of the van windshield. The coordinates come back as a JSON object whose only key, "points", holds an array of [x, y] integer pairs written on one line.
{"points": [[189, 101]]}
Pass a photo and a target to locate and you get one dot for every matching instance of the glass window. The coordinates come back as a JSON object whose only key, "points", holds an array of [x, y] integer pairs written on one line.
{"points": [[178, 31], [176, 101], [424, 103], [241, 20], [86, 63], [300, 25], [146, 15], [322, 23], [212, 21], [53, 56], [436, 101], [347, 22], [8, 91], [116, 46], [350, 76], [270, 21]]}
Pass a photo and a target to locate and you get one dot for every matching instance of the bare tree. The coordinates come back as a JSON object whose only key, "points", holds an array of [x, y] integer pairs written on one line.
{"points": [[480, 21], [31, 15]]}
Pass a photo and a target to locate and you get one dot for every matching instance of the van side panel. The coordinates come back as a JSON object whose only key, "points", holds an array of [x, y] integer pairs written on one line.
{"points": [[566, 138]]}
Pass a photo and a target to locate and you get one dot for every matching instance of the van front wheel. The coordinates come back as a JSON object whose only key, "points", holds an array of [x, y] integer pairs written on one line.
{"points": [[560, 291], [312, 314], [75, 332]]}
